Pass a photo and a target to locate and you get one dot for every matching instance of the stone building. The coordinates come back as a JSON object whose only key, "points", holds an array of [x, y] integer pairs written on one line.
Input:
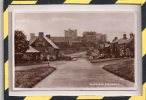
{"points": [[70, 39], [123, 47], [70, 33], [69, 43], [44, 45], [93, 38]]}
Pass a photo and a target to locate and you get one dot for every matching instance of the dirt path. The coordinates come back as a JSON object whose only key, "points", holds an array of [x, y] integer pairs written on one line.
{"points": [[81, 73]]}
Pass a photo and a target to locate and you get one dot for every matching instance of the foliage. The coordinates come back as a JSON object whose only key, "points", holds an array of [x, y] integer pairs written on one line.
{"points": [[21, 44]]}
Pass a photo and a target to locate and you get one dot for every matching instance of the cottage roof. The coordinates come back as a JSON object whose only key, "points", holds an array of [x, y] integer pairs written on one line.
{"points": [[115, 41], [52, 43], [121, 41], [32, 50], [32, 40], [48, 40]]}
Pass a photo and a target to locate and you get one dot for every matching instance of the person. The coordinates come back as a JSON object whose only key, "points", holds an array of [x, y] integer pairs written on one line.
{"points": [[48, 58]]}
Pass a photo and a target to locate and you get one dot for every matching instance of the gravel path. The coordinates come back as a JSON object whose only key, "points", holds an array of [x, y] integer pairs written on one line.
{"points": [[81, 73]]}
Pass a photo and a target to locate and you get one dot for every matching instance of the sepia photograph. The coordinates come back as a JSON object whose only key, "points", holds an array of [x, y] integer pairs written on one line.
{"points": [[79, 50]]}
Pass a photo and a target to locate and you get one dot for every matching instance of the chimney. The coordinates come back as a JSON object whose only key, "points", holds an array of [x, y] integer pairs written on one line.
{"points": [[131, 35], [32, 36], [48, 36], [115, 38], [41, 34], [124, 36], [75, 30]]}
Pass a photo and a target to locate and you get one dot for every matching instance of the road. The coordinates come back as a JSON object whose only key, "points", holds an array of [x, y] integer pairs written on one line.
{"points": [[81, 74]]}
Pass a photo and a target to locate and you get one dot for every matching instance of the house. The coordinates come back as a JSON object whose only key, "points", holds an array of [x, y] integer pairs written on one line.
{"points": [[107, 49], [126, 46], [45, 46], [61, 42], [69, 42], [69, 39], [123, 47], [114, 47], [32, 54]]}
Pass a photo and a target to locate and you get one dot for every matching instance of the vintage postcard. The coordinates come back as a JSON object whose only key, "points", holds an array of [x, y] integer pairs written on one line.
{"points": [[76, 50]]}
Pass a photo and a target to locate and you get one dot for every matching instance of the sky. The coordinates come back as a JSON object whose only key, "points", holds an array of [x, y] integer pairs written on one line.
{"points": [[110, 23]]}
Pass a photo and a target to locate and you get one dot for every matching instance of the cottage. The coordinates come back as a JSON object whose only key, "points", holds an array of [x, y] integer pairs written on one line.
{"points": [[123, 47], [126, 46], [114, 47], [107, 49], [45, 46], [32, 54]]}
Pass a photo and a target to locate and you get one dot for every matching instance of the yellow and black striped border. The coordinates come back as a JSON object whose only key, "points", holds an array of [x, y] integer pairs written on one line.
{"points": [[19, 2]]}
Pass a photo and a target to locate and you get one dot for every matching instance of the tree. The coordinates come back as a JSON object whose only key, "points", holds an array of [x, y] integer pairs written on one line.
{"points": [[21, 44]]}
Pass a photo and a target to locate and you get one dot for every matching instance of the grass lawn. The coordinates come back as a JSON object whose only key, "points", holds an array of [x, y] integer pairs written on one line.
{"points": [[122, 68], [29, 78]]}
